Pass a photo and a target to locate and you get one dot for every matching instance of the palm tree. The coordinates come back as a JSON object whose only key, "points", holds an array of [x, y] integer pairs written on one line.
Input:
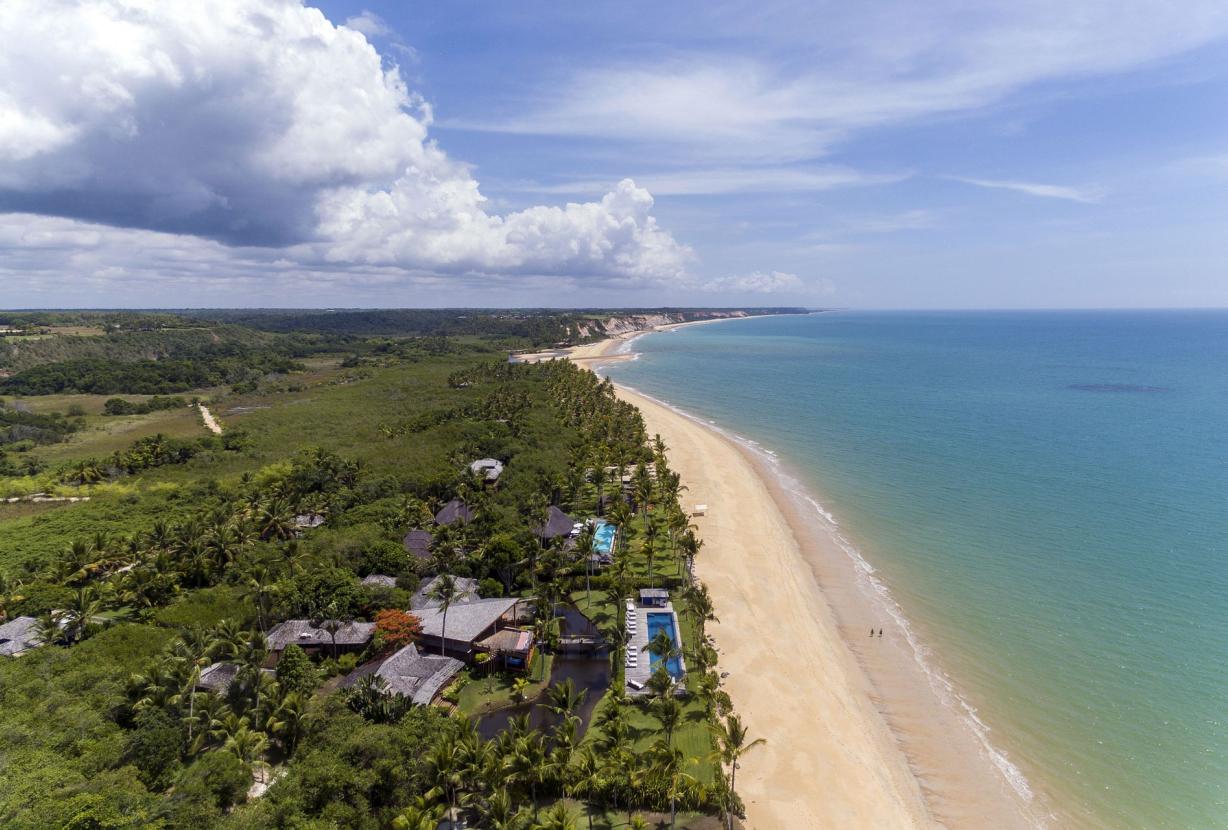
{"points": [[500, 813], [84, 612], [445, 591], [445, 767], [246, 744], [564, 699], [557, 818], [669, 712], [584, 544], [289, 721], [525, 764], [731, 746], [663, 646], [419, 815], [259, 587], [670, 765]]}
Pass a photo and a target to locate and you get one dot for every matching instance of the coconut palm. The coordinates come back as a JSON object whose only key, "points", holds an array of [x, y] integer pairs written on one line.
{"points": [[564, 699], [557, 817], [732, 744], [669, 765], [445, 591], [289, 721], [668, 711]]}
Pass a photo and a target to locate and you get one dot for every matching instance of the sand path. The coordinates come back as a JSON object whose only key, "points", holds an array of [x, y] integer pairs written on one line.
{"points": [[211, 423]]}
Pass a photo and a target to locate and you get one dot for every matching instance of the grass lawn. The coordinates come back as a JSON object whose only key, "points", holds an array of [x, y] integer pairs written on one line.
{"points": [[692, 735], [483, 694]]}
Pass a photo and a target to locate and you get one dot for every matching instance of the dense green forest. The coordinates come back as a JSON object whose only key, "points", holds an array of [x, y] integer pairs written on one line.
{"points": [[190, 549]]}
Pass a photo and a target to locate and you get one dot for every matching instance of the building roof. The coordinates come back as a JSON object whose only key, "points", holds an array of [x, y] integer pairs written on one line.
{"points": [[557, 524], [380, 579], [490, 468], [303, 633], [654, 593], [508, 641], [308, 520], [467, 621], [454, 511], [18, 635], [468, 589], [410, 673], [217, 677], [418, 542]]}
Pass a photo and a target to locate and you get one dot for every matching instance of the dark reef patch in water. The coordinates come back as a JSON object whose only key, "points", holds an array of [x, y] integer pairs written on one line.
{"points": [[1116, 387]]}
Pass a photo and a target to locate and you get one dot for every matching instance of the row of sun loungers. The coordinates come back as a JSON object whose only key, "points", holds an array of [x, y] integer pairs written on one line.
{"points": [[633, 657]]}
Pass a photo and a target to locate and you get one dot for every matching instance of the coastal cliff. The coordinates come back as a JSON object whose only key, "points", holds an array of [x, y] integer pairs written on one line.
{"points": [[622, 324]]}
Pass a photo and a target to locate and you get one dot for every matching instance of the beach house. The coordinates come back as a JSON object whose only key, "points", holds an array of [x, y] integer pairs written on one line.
{"points": [[411, 673], [342, 636], [467, 624]]}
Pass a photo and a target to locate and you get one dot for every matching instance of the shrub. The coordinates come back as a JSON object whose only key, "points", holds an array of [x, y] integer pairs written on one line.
{"points": [[153, 747], [295, 671]]}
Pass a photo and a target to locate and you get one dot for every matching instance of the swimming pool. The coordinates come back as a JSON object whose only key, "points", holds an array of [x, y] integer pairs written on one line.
{"points": [[663, 621], [603, 537]]}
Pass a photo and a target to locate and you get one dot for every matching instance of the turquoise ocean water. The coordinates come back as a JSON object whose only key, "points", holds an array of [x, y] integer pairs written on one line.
{"points": [[1045, 493]]}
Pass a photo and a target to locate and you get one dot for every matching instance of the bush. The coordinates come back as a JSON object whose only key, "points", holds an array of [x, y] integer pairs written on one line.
{"points": [[296, 672], [215, 783], [153, 747]]}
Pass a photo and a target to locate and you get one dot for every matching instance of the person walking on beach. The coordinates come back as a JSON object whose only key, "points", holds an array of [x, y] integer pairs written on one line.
{"points": [[880, 633], [871, 632]]}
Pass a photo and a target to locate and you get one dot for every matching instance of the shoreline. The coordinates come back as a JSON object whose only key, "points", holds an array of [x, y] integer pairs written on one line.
{"points": [[858, 735]]}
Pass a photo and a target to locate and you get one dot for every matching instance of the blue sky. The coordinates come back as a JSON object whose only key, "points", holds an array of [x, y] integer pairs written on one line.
{"points": [[461, 153]]}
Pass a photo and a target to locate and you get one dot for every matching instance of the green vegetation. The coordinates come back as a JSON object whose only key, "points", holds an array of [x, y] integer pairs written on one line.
{"points": [[191, 547]]}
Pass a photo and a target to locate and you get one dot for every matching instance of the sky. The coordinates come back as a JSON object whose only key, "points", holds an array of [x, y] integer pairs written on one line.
{"points": [[273, 153]]}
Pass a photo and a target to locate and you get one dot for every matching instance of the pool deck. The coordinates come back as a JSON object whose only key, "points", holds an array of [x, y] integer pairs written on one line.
{"points": [[639, 642]]}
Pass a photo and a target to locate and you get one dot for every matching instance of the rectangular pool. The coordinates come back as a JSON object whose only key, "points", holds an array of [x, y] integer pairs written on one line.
{"points": [[664, 621], [603, 537]]}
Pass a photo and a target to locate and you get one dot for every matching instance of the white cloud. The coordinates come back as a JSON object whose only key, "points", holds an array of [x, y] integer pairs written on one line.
{"points": [[1045, 191], [786, 81], [263, 124], [757, 282], [368, 23], [712, 181]]}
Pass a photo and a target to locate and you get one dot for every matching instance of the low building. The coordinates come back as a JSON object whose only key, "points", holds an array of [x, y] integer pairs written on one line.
{"points": [[217, 677], [558, 524], [18, 635], [418, 542], [410, 673], [348, 637], [379, 581], [453, 512], [654, 597], [488, 468], [467, 623], [307, 521], [509, 648], [466, 587]]}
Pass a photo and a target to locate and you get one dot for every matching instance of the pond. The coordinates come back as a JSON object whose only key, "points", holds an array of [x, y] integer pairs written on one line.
{"points": [[590, 675]]}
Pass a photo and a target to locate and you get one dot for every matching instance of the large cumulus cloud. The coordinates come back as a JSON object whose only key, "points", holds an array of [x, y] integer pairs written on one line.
{"points": [[260, 123]]}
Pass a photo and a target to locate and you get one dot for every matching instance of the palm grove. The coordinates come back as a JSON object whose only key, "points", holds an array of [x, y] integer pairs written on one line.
{"points": [[109, 726]]}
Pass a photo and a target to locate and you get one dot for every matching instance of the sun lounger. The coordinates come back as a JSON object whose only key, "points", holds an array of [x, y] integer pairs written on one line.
{"points": [[635, 684]]}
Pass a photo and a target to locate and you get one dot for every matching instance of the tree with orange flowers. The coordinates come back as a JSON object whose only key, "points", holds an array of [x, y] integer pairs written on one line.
{"points": [[396, 629]]}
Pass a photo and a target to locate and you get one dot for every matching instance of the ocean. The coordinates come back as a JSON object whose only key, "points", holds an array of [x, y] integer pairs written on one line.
{"points": [[1043, 494]]}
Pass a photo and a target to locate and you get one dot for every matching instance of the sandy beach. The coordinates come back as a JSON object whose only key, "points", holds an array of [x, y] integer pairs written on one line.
{"points": [[855, 738]]}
